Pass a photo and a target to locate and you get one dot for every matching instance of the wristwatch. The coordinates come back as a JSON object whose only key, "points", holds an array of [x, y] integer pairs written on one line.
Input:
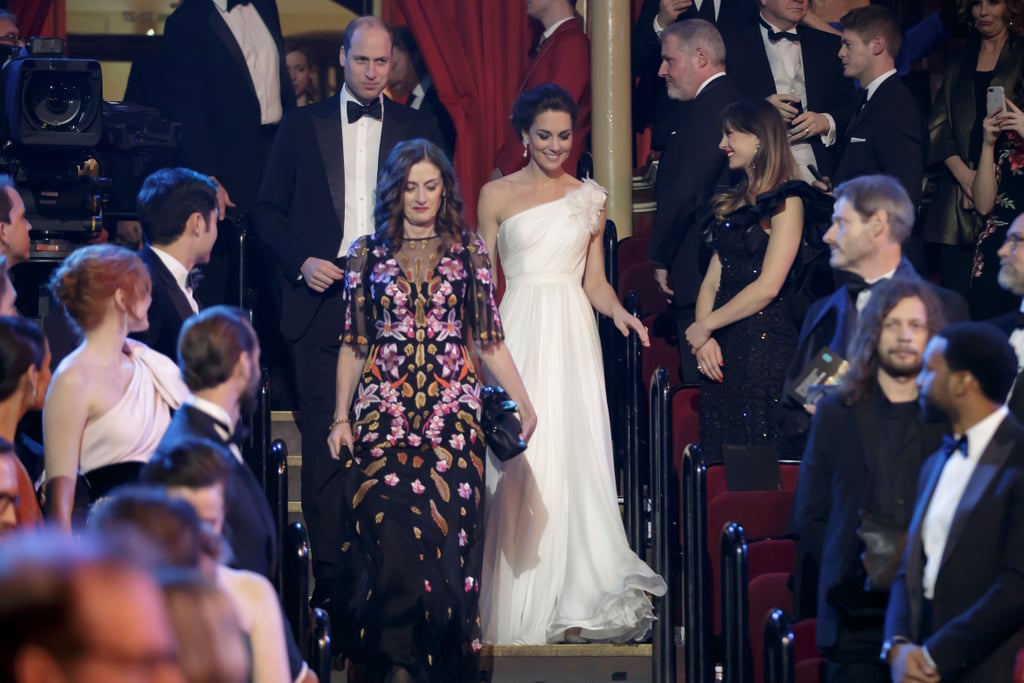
{"points": [[888, 645]]}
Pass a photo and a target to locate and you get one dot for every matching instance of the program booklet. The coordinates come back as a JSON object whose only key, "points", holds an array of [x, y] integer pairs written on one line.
{"points": [[824, 371]]}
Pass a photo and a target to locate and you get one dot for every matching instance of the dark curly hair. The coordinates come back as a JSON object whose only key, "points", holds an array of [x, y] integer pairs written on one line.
{"points": [[536, 101], [389, 212], [885, 296], [22, 345]]}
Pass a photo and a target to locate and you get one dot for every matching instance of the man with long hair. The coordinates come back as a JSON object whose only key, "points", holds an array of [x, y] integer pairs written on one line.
{"points": [[859, 476]]}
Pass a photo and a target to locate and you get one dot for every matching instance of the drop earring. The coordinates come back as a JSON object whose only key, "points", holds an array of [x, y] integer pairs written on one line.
{"points": [[526, 148]]}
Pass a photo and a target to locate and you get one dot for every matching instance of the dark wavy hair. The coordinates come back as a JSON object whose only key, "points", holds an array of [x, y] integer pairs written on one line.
{"points": [[536, 101], [773, 162], [389, 211], [862, 376], [22, 345], [1014, 17]]}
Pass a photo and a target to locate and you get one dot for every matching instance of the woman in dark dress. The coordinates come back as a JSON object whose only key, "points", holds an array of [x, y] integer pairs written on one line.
{"points": [[746, 331], [417, 293], [999, 196]]}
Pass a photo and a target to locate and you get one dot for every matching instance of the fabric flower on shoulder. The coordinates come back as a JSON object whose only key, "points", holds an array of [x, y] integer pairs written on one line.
{"points": [[585, 204]]}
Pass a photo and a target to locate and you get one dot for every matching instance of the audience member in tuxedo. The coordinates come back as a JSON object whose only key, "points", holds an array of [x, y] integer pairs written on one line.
{"points": [[300, 64], [999, 198], [955, 607], [219, 358], [179, 528], [14, 228], [797, 69], [111, 398], [887, 134], [203, 471], [873, 216], [229, 90], [78, 610], [994, 55], [653, 104], [562, 57], [178, 211], [744, 332], [211, 644], [316, 200], [410, 84], [1011, 278], [24, 379], [858, 477], [691, 167]]}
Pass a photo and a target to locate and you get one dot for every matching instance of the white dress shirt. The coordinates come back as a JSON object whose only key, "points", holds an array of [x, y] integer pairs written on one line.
{"points": [[360, 141], [865, 294], [551, 29], [222, 418], [1017, 342], [419, 93], [697, 5], [261, 56], [787, 64], [180, 274], [948, 491], [873, 85]]}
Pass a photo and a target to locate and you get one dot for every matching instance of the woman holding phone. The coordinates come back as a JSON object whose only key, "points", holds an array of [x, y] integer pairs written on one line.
{"points": [[999, 197]]}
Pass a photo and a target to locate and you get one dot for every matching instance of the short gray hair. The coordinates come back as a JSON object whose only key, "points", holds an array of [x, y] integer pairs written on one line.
{"points": [[872, 193], [694, 33]]}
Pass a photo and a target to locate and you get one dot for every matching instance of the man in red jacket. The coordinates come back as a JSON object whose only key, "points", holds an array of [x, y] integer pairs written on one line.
{"points": [[562, 57]]}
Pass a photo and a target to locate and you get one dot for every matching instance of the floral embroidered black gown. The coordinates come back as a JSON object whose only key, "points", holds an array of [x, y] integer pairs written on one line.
{"points": [[743, 408], [414, 482]]}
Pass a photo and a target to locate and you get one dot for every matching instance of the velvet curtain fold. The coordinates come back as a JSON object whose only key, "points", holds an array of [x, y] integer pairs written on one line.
{"points": [[36, 17], [476, 53]]}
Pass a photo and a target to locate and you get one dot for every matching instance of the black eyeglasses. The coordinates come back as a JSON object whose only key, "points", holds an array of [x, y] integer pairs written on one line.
{"points": [[12, 39]]}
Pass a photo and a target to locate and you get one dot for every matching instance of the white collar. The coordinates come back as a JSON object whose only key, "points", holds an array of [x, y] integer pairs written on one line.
{"points": [[213, 410], [709, 79], [347, 96], [883, 276], [421, 89], [551, 29], [177, 268], [775, 28], [980, 435], [873, 85]]}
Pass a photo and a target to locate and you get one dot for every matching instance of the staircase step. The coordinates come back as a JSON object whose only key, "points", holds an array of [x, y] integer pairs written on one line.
{"points": [[590, 663]]}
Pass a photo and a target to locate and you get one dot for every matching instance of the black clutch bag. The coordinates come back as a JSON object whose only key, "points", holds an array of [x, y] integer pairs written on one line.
{"points": [[500, 423]]}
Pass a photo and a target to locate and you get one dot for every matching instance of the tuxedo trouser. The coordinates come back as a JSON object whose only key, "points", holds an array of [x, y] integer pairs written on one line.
{"points": [[854, 657]]}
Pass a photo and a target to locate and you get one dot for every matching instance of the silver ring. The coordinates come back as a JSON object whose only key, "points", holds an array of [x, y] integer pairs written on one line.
{"points": [[698, 366]]}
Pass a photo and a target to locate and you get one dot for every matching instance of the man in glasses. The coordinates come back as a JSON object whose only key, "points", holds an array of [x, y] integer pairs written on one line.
{"points": [[9, 33], [1011, 278]]}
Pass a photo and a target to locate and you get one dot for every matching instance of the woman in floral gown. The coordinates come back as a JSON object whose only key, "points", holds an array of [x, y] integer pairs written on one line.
{"points": [[999, 197], [417, 292]]}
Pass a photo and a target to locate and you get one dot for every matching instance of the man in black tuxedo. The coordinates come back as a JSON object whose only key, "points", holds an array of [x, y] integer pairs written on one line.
{"points": [[956, 606], [888, 132], [1011, 278], [652, 104], [872, 218], [410, 82], [316, 199], [693, 66], [178, 211], [229, 88], [797, 69], [861, 465]]}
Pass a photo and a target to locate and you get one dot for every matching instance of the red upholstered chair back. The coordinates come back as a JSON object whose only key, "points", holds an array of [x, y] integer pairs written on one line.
{"points": [[639, 278], [632, 250], [810, 665], [769, 567], [685, 421]]}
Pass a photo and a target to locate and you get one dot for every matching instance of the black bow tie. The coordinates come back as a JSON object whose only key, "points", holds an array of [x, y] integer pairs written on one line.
{"points": [[238, 436], [951, 445], [855, 284], [776, 36], [357, 111], [235, 3]]}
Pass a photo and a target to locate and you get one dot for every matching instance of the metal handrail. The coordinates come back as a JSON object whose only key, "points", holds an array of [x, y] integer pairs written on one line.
{"points": [[779, 649], [662, 511], [735, 662]]}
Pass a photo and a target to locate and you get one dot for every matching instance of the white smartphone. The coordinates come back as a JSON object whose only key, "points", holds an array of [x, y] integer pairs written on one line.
{"points": [[996, 99]]}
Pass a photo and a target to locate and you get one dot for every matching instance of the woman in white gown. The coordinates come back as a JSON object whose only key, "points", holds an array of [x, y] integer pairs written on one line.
{"points": [[557, 565]]}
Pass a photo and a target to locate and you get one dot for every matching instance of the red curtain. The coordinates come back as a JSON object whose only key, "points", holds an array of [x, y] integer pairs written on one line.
{"points": [[476, 53], [40, 17]]}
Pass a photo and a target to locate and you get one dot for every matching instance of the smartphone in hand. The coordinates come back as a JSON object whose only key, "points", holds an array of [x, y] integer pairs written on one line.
{"points": [[995, 99]]}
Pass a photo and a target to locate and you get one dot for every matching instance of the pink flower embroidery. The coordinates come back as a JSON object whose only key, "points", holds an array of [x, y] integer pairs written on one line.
{"points": [[470, 584], [384, 271], [450, 328], [426, 585], [451, 269], [465, 490], [458, 442], [389, 360], [463, 538], [441, 466], [415, 440], [476, 645], [391, 479], [418, 487]]}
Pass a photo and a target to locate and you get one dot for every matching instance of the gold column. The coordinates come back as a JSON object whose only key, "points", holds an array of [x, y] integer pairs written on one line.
{"points": [[612, 122]]}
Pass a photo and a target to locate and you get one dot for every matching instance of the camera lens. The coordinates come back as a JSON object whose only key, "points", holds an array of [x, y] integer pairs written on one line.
{"points": [[54, 100]]}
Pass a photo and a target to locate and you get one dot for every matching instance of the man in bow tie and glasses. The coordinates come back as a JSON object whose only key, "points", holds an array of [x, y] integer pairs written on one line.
{"points": [[797, 69], [872, 218], [858, 479], [317, 197], [955, 607], [1011, 278]]}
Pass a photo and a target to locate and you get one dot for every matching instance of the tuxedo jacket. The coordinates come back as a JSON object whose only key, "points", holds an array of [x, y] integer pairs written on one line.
{"points": [[168, 311], [651, 103], [887, 136], [250, 527], [690, 169], [562, 59], [978, 601], [1015, 401], [835, 481], [301, 208], [213, 96], [828, 91], [432, 107]]}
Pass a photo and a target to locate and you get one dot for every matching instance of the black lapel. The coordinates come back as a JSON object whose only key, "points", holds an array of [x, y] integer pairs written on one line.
{"points": [[327, 128], [988, 468], [223, 33], [816, 67], [914, 560], [178, 299], [392, 131], [202, 424]]}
